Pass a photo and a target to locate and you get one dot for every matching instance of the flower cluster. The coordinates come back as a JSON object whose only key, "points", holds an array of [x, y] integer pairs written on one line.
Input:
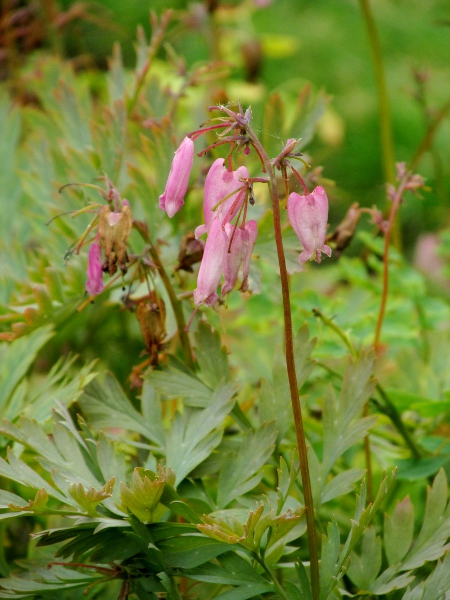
{"points": [[230, 236], [229, 246]]}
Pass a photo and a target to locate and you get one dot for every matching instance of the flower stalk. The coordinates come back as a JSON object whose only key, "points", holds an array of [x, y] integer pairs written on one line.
{"points": [[290, 365]]}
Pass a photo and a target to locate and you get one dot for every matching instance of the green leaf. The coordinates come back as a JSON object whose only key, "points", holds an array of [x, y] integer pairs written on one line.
{"points": [[341, 426], [436, 586], [275, 398], [287, 478], [7, 498], [30, 434], [334, 561], [42, 582], [174, 383], [233, 570], [89, 499], [398, 531], [240, 471], [106, 406], [388, 582], [305, 586], [418, 469], [243, 592], [15, 359], [341, 484], [189, 551], [211, 356], [19, 471], [435, 531], [364, 567], [196, 433]]}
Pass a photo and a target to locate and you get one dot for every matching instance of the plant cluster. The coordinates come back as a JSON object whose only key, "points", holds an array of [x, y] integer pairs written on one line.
{"points": [[252, 453]]}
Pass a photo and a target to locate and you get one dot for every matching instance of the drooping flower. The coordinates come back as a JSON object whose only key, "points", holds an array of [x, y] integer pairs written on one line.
{"points": [[308, 216], [242, 242], [94, 283], [114, 229], [212, 266], [219, 184], [173, 197]]}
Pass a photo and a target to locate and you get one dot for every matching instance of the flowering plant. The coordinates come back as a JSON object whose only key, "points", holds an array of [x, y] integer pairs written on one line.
{"points": [[244, 455]]}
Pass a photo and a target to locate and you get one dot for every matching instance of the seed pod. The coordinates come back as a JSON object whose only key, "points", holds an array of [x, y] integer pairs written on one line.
{"points": [[151, 316], [114, 229], [191, 252], [344, 232]]}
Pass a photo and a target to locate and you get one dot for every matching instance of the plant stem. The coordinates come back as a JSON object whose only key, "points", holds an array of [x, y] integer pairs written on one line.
{"points": [[429, 135], [290, 365], [332, 325], [391, 411], [177, 307], [387, 144], [273, 579], [159, 30], [387, 237]]}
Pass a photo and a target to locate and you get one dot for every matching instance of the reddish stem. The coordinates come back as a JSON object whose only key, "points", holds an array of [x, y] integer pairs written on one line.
{"points": [[387, 237], [299, 177], [290, 366]]}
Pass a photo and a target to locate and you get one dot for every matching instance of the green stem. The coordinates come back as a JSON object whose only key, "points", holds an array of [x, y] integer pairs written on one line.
{"points": [[272, 577], [429, 135], [387, 145], [290, 366], [332, 325], [386, 138], [391, 411], [177, 308]]}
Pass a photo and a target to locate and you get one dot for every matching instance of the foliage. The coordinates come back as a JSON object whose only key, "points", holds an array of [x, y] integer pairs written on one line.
{"points": [[179, 476]]}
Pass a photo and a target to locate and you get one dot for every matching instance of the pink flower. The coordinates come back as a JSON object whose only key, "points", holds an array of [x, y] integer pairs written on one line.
{"points": [[212, 266], [242, 243], [308, 216], [173, 198], [218, 185], [94, 283]]}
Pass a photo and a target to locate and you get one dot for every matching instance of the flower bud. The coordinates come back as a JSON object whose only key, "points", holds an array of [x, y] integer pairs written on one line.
{"points": [[212, 266], [177, 183], [94, 283]]}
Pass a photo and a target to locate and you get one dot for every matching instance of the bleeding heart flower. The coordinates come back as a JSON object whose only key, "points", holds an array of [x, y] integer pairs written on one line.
{"points": [[212, 266], [219, 184], [94, 283], [308, 216], [242, 241], [177, 182]]}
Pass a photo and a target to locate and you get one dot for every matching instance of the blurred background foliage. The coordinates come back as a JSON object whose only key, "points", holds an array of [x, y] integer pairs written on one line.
{"points": [[288, 43]]}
